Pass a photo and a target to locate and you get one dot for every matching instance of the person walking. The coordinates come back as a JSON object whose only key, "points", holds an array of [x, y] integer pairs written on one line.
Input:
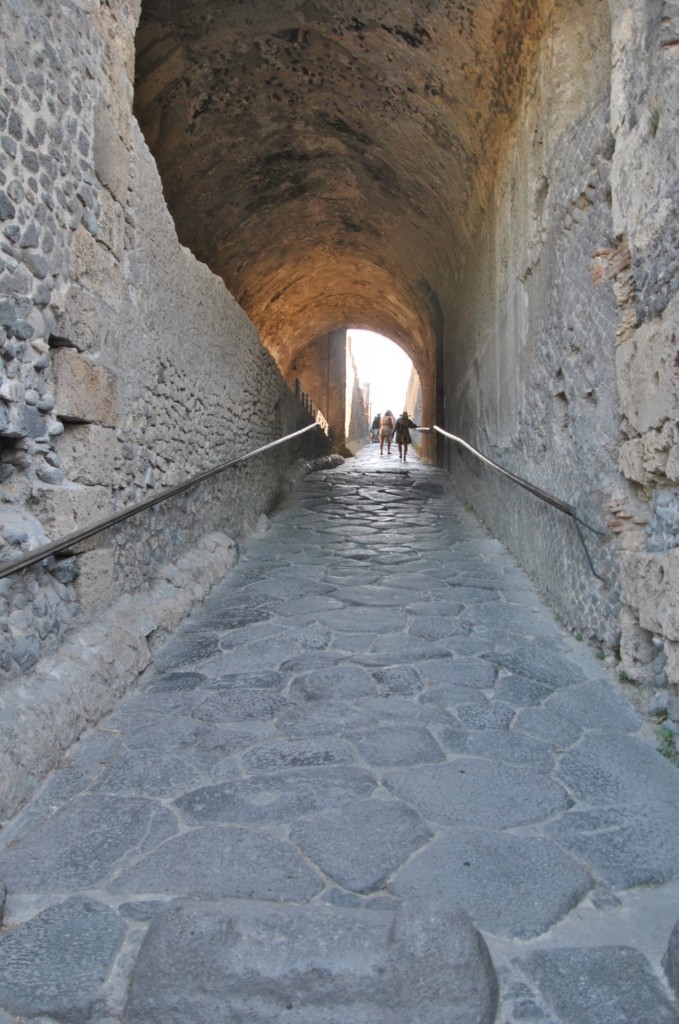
{"points": [[375, 429], [387, 424], [402, 432]]}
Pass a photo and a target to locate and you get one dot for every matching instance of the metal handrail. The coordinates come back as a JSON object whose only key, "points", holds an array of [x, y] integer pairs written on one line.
{"points": [[38, 554], [545, 496]]}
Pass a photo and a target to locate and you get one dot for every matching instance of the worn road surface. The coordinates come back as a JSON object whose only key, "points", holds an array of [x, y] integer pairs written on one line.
{"points": [[371, 781]]}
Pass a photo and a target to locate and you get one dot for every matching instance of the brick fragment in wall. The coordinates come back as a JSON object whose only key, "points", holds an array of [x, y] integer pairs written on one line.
{"points": [[83, 391]]}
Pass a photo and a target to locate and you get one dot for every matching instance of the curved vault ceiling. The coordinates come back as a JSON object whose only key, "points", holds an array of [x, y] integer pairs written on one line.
{"points": [[329, 159]]}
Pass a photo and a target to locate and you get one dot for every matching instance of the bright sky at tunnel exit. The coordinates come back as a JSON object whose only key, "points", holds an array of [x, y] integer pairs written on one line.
{"points": [[385, 367]]}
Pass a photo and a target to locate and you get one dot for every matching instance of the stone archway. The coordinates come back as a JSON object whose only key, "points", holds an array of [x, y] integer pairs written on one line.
{"points": [[330, 167]]}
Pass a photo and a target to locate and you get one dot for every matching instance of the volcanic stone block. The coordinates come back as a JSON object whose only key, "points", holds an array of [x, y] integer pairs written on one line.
{"points": [[671, 959], [473, 791], [216, 863], [62, 510], [79, 845], [516, 886], [601, 985], [56, 963], [83, 391], [314, 965], [361, 844], [88, 452]]}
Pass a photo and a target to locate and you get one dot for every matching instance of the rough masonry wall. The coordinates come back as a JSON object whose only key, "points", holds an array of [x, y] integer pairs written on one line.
{"points": [[644, 270], [531, 365], [126, 366], [358, 424]]}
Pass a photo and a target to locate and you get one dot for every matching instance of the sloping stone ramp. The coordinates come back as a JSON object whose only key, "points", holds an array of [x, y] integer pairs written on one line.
{"points": [[371, 781]]}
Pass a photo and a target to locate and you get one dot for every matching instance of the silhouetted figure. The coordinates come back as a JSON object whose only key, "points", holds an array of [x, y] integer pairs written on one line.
{"points": [[402, 432], [375, 429], [387, 423]]}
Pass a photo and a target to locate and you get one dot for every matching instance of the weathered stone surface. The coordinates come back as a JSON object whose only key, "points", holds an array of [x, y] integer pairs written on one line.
{"points": [[626, 847], [258, 962], [398, 745], [55, 965], [510, 885], [617, 772], [83, 390], [470, 791], [603, 985], [88, 453], [360, 845], [281, 796], [80, 846], [213, 863], [671, 959], [111, 155]]}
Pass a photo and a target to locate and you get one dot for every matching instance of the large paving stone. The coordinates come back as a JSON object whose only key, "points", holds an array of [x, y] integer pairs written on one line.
{"points": [[275, 797], [438, 627], [473, 791], [260, 656], [214, 739], [335, 681], [272, 757], [148, 773], [514, 886], [513, 747], [548, 726], [398, 649], [265, 964], [595, 705], [80, 845], [322, 718], [214, 862], [469, 672], [600, 985], [392, 745], [399, 679], [357, 620], [670, 960], [186, 648], [56, 964], [521, 691], [361, 844], [493, 715], [539, 663], [235, 705], [619, 770], [626, 847]]}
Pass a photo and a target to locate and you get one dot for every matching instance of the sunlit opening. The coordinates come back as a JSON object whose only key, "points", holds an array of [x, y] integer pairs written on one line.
{"points": [[386, 374]]}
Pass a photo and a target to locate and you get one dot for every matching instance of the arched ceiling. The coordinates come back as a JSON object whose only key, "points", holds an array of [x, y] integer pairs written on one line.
{"points": [[329, 160]]}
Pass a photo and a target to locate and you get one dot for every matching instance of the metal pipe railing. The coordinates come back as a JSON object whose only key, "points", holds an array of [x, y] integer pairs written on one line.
{"points": [[39, 554], [550, 499]]}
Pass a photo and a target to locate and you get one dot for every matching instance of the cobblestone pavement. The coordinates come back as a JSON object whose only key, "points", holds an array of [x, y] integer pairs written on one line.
{"points": [[371, 780]]}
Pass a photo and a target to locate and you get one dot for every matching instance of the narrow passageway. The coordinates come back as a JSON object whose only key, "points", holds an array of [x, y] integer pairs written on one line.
{"points": [[370, 780]]}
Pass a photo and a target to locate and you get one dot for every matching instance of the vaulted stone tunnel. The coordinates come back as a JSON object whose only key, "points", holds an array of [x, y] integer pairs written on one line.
{"points": [[331, 163], [193, 192]]}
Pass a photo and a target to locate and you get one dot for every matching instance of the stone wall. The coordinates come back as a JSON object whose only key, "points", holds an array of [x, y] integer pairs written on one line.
{"points": [[126, 365], [321, 368], [644, 270], [530, 360], [358, 424]]}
